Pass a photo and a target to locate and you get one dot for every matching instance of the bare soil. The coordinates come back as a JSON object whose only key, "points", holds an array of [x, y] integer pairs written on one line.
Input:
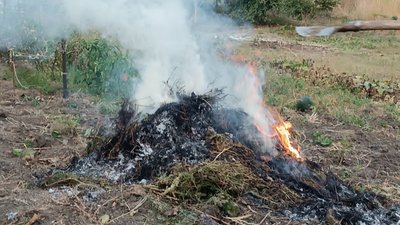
{"points": [[27, 119], [367, 159]]}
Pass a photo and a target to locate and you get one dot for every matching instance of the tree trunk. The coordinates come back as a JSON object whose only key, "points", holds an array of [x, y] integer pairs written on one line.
{"points": [[371, 25]]}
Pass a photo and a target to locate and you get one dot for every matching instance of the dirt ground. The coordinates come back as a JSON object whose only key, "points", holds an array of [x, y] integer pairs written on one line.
{"points": [[368, 160], [27, 119]]}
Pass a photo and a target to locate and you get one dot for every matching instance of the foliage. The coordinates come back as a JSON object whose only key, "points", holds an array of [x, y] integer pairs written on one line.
{"points": [[33, 78], [26, 153], [99, 65], [215, 182], [388, 91], [304, 103], [322, 139], [64, 125], [266, 11], [333, 101], [95, 64]]}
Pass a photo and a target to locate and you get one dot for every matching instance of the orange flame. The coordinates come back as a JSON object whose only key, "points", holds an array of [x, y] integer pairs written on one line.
{"points": [[283, 131], [281, 128], [282, 134]]}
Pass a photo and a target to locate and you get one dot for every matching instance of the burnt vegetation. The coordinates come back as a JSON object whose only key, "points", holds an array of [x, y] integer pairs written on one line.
{"points": [[197, 151]]}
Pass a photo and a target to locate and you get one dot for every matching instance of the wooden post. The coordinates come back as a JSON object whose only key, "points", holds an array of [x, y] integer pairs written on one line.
{"points": [[11, 65], [64, 67]]}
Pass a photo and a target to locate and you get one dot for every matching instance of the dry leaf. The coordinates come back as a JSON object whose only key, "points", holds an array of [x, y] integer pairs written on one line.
{"points": [[104, 219]]}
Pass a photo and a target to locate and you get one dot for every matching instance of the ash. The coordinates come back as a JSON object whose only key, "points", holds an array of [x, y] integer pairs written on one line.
{"points": [[144, 147]]}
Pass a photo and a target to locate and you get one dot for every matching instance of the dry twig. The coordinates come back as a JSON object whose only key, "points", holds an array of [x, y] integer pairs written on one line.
{"points": [[132, 211], [35, 218]]}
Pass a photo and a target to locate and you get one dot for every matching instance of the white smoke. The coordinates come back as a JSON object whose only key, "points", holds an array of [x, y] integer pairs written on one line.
{"points": [[172, 39]]}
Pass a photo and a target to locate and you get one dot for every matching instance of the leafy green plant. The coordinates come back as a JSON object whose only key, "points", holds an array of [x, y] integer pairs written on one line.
{"points": [[225, 202], [56, 134], [88, 132], [33, 78], [388, 90], [322, 139], [99, 65], [27, 153], [109, 108], [266, 11], [305, 103], [72, 105]]}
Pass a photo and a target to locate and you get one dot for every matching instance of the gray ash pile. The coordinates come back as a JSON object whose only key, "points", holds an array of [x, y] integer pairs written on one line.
{"points": [[196, 129], [141, 149]]}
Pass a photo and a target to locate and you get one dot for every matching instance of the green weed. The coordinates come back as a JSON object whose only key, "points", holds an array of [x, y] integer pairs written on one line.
{"points": [[108, 108], [366, 40], [56, 134], [322, 139], [282, 90], [32, 78], [27, 153], [64, 125], [99, 66]]}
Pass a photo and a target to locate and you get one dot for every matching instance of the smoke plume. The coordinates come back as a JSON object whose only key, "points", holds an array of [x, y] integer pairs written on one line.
{"points": [[171, 41]]}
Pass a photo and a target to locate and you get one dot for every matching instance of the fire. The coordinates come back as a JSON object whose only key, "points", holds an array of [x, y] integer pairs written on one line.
{"points": [[283, 131], [280, 130]]}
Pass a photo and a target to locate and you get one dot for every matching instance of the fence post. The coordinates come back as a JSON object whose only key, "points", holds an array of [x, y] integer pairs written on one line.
{"points": [[12, 65], [64, 67]]}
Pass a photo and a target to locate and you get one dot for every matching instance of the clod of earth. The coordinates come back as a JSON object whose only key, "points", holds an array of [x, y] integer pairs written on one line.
{"points": [[203, 152]]}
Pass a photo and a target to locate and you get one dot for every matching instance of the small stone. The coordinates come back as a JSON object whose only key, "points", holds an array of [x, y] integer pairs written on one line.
{"points": [[11, 216]]}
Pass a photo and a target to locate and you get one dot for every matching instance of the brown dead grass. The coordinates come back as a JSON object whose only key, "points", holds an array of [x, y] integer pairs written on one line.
{"points": [[368, 9]]}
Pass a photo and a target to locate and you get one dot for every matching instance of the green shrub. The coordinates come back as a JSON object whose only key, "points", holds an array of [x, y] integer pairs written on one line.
{"points": [[268, 11], [99, 65]]}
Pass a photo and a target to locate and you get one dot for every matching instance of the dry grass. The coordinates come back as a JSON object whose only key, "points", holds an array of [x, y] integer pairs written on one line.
{"points": [[368, 9]]}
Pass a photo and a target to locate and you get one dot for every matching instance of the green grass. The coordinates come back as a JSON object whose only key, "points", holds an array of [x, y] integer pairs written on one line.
{"points": [[31, 78], [282, 90], [356, 41], [344, 41], [96, 65], [109, 107], [64, 125]]}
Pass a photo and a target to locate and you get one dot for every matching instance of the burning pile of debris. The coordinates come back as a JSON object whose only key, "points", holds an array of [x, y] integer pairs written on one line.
{"points": [[201, 149]]}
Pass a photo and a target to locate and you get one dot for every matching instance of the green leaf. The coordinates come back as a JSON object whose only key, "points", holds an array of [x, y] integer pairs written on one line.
{"points": [[380, 90], [17, 152], [56, 134], [24, 153], [88, 132], [322, 139], [367, 85]]}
